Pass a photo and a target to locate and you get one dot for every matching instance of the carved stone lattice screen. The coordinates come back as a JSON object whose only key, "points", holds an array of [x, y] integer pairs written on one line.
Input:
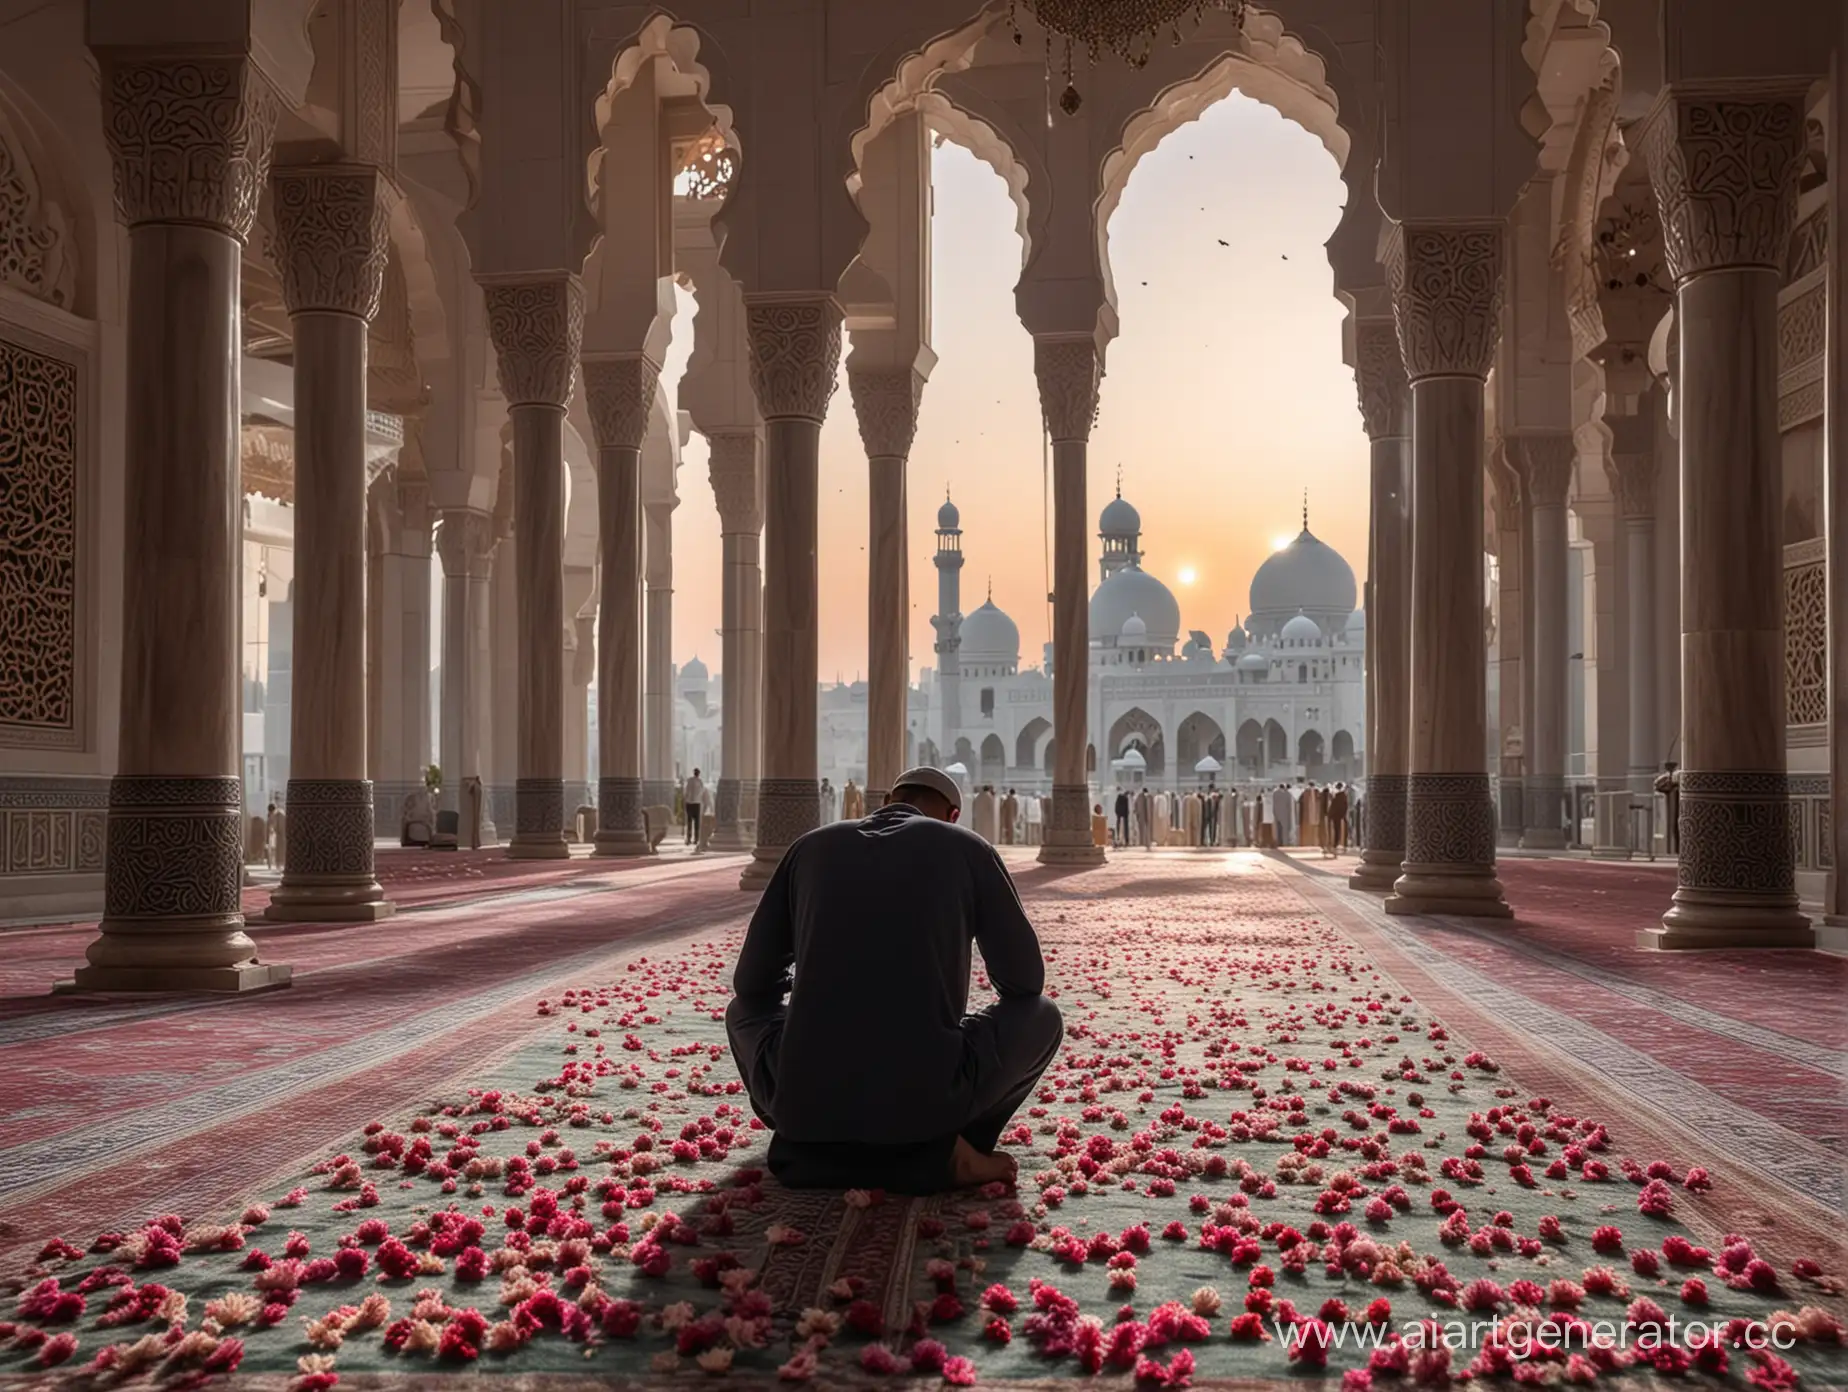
{"points": [[38, 549], [1806, 636]]}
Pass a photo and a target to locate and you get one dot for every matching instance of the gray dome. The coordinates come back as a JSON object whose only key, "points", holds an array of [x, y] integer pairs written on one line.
{"points": [[1133, 592], [1307, 576], [1301, 629], [990, 638], [1133, 627], [1119, 519], [948, 518], [1357, 622], [1236, 640], [1254, 661], [694, 671]]}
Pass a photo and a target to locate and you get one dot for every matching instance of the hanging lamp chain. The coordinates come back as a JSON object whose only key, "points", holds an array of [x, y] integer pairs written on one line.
{"points": [[1126, 29]]}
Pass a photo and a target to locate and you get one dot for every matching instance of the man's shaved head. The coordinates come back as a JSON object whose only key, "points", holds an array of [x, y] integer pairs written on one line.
{"points": [[927, 800]]}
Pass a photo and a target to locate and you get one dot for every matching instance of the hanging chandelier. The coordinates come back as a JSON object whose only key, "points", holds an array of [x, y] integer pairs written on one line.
{"points": [[1127, 28]]}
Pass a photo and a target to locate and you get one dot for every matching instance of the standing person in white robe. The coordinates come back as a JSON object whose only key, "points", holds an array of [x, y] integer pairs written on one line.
{"points": [[1192, 818], [1033, 818], [1283, 813], [987, 815]]}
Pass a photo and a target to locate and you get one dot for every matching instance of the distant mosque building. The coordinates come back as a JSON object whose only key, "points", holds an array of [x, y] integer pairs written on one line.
{"points": [[1283, 698]]}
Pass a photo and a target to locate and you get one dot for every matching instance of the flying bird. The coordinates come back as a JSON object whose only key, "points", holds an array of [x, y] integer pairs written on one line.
{"points": [[1224, 242]]}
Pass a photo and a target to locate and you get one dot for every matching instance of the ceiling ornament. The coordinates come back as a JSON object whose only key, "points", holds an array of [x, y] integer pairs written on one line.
{"points": [[1127, 28]]}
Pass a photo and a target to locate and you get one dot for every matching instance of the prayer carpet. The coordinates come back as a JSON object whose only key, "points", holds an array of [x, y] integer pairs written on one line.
{"points": [[1278, 1143]]}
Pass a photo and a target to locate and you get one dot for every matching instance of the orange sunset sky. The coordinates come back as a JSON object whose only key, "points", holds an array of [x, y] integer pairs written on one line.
{"points": [[1224, 397]]}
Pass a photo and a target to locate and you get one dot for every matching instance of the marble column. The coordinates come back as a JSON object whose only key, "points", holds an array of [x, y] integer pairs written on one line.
{"points": [[1511, 641], [1632, 471], [1446, 283], [1723, 161], [1068, 372], [1836, 500], [795, 343], [737, 485], [465, 543], [658, 772], [189, 138], [401, 743], [332, 242], [885, 401], [1385, 409], [1545, 461], [536, 324], [621, 394]]}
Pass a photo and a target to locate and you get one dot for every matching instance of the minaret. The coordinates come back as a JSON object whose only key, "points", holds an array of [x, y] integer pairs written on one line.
{"points": [[948, 623]]}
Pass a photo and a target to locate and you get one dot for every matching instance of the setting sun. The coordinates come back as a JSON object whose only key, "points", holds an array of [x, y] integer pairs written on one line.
{"points": [[1187, 575], [1278, 543]]}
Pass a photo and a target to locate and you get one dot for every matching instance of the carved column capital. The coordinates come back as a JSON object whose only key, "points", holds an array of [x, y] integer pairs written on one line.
{"points": [[333, 236], [465, 541], [732, 462], [1723, 161], [885, 402], [1545, 459], [1069, 373], [189, 137], [537, 324], [621, 395], [1379, 374], [1447, 282], [1633, 480], [795, 346]]}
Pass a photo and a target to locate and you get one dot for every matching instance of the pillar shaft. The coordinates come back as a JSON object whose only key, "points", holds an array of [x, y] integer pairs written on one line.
{"points": [[1726, 238], [1545, 461], [621, 393], [737, 486], [1633, 479], [1511, 639], [795, 344], [536, 324], [465, 544], [886, 405], [1067, 369], [1836, 488], [190, 141], [1446, 283], [1384, 408], [401, 743], [332, 241], [658, 772]]}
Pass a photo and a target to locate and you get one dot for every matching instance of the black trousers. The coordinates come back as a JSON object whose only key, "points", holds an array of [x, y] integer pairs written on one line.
{"points": [[1122, 821], [693, 810], [1006, 1047]]}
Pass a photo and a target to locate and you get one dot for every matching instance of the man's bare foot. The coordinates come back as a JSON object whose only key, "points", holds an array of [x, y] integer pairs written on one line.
{"points": [[970, 1168]]}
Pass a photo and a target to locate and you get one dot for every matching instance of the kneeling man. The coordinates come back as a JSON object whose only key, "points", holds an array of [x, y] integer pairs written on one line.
{"points": [[872, 1076]]}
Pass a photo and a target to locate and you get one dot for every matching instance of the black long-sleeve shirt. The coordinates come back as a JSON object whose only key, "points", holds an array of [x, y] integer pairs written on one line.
{"points": [[877, 916]]}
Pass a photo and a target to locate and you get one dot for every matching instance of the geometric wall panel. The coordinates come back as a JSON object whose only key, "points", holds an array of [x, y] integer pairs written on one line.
{"points": [[39, 528]]}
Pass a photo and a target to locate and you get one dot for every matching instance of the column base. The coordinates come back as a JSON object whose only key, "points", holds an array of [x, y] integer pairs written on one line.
{"points": [[1378, 871], [730, 830], [1832, 936], [1068, 835], [787, 809], [621, 828], [313, 904], [736, 837], [1701, 919], [1533, 839], [539, 820], [327, 875], [1511, 819], [1463, 893], [243, 979], [1612, 853]]}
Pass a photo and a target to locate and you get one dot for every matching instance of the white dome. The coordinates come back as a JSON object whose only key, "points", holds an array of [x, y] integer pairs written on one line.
{"points": [[989, 638], [1254, 661], [1301, 629], [1236, 640], [948, 518], [695, 671], [1133, 592], [1133, 627], [1119, 519], [1307, 576], [1357, 621]]}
